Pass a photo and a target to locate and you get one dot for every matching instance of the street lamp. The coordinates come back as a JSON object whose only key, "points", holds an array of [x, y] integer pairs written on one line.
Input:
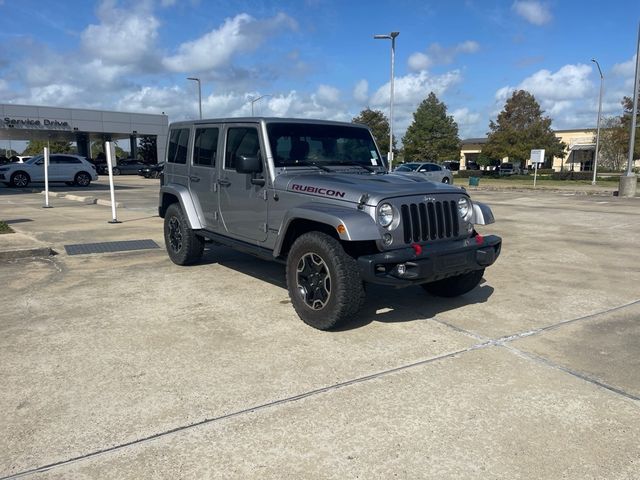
{"points": [[195, 79], [392, 36], [254, 100], [595, 157]]}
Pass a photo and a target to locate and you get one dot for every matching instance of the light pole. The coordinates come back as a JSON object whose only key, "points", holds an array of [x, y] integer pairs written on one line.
{"points": [[254, 100], [595, 157], [392, 36], [195, 79]]}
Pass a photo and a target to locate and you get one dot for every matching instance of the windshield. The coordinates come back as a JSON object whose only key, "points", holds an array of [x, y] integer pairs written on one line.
{"points": [[316, 144], [33, 160], [410, 167]]}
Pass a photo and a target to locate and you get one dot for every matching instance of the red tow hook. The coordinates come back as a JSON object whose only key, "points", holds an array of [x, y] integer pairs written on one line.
{"points": [[417, 248], [479, 239]]}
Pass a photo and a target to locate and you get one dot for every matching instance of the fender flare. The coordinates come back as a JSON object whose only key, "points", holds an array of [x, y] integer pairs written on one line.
{"points": [[482, 214], [186, 203], [358, 226]]}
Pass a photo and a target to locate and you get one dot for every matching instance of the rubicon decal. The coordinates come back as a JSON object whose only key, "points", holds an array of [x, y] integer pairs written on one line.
{"points": [[320, 191]]}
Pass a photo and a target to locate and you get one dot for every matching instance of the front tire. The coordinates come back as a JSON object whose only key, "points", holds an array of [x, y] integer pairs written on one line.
{"points": [[183, 245], [82, 179], [20, 179], [323, 281], [455, 286]]}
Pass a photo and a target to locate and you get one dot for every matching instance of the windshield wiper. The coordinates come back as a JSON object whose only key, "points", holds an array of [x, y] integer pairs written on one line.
{"points": [[311, 164], [368, 168]]}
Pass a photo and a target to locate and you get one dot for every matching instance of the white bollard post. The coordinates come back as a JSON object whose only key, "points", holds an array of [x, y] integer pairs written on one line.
{"points": [[111, 155], [46, 178]]}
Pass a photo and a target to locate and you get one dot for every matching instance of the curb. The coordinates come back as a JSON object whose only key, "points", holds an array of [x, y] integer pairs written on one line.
{"points": [[107, 203], [85, 200], [26, 253]]}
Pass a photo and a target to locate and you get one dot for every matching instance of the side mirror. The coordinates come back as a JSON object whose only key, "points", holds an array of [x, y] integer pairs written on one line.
{"points": [[246, 164]]}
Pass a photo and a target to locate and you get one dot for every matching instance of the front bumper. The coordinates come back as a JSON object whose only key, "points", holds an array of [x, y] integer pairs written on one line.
{"points": [[405, 267]]}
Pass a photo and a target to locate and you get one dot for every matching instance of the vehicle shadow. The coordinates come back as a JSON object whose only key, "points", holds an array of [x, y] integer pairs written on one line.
{"points": [[37, 187], [382, 303]]}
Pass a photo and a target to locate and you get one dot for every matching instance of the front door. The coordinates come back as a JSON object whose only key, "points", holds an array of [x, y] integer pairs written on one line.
{"points": [[243, 205], [203, 176]]}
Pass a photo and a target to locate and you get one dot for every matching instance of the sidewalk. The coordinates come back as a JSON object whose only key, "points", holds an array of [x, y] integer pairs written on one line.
{"points": [[74, 219]]}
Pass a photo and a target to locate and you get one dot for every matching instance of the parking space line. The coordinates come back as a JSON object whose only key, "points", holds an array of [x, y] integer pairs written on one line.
{"points": [[238, 413]]}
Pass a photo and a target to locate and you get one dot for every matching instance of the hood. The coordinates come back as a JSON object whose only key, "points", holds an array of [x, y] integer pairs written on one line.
{"points": [[351, 186]]}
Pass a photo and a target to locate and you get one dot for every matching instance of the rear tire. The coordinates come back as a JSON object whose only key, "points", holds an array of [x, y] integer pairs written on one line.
{"points": [[20, 179], [446, 180], [82, 179], [455, 286], [323, 281], [183, 245], [115, 171]]}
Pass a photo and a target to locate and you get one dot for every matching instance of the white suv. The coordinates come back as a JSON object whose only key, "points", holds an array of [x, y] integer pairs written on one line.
{"points": [[71, 169]]}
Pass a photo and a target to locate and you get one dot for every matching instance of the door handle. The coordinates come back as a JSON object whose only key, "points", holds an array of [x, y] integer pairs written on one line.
{"points": [[224, 182], [194, 178]]}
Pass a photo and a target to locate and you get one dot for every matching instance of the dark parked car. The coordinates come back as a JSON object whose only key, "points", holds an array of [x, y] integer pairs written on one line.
{"points": [[473, 166], [128, 167], [451, 165], [152, 171], [506, 169]]}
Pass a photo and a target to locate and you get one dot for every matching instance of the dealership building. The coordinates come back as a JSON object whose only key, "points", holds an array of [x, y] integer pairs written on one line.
{"points": [[28, 122]]}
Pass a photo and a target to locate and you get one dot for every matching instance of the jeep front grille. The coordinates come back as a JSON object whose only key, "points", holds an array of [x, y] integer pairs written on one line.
{"points": [[429, 221]]}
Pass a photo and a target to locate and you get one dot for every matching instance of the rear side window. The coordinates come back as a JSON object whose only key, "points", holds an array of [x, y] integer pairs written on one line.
{"points": [[241, 141], [205, 147], [178, 143]]}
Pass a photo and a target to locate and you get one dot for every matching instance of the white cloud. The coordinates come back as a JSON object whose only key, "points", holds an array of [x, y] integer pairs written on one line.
{"points": [[571, 81], [533, 12], [419, 61], [241, 33], [439, 55], [123, 37], [569, 95], [625, 69], [464, 117], [328, 94], [361, 91]]}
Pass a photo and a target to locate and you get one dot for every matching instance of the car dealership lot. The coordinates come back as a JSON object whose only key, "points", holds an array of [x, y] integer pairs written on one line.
{"points": [[125, 365]]}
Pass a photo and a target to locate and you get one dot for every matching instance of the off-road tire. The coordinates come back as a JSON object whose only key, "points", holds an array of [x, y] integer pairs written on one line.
{"points": [[20, 179], [82, 179], [455, 286], [345, 288], [183, 245]]}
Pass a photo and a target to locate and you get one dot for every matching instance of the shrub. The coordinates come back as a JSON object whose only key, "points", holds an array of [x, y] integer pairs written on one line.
{"points": [[572, 176], [4, 228], [469, 173]]}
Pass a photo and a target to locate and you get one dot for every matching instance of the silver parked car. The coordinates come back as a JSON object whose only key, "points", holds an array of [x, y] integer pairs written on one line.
{"points": [[433, 171], [71, 169]]}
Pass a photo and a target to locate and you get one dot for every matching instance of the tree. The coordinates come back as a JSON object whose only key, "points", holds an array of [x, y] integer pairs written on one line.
{"points": [[433, 135], [379, 126], [98, 148], [520, 128], [148, 149], [36, 147], [614, 144], [625, 121]]}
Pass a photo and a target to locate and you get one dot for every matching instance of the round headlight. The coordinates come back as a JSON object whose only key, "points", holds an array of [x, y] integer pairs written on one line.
{"points": [[385, 214], [464, 207]]}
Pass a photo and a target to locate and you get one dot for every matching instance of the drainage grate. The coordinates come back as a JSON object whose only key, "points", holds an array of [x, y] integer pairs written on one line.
{"points": [[106, 247]]}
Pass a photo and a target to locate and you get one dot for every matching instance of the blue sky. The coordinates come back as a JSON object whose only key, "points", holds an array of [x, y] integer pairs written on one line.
{"points": [[318, 58]]}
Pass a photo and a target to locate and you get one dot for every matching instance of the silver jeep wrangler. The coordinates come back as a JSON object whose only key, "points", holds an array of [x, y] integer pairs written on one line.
{"points": [[318, 196]]}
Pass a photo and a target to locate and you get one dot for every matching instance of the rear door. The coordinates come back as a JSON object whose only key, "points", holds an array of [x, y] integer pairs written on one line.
{"points": [[203, 175], [243, 205], [178, 148]]}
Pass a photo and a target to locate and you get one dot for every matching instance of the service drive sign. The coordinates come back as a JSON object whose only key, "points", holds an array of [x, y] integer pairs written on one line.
{"points": [[537, 156]]}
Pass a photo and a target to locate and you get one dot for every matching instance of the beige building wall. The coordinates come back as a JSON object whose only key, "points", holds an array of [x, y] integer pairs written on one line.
{"points": [[581, 141]]}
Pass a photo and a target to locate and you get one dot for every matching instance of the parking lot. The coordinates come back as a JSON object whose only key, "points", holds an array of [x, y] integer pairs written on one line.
{"points": [[124, 365]]}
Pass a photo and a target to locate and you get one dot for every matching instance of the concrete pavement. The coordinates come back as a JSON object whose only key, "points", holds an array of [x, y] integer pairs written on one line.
{"points": [[124, 365]]}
